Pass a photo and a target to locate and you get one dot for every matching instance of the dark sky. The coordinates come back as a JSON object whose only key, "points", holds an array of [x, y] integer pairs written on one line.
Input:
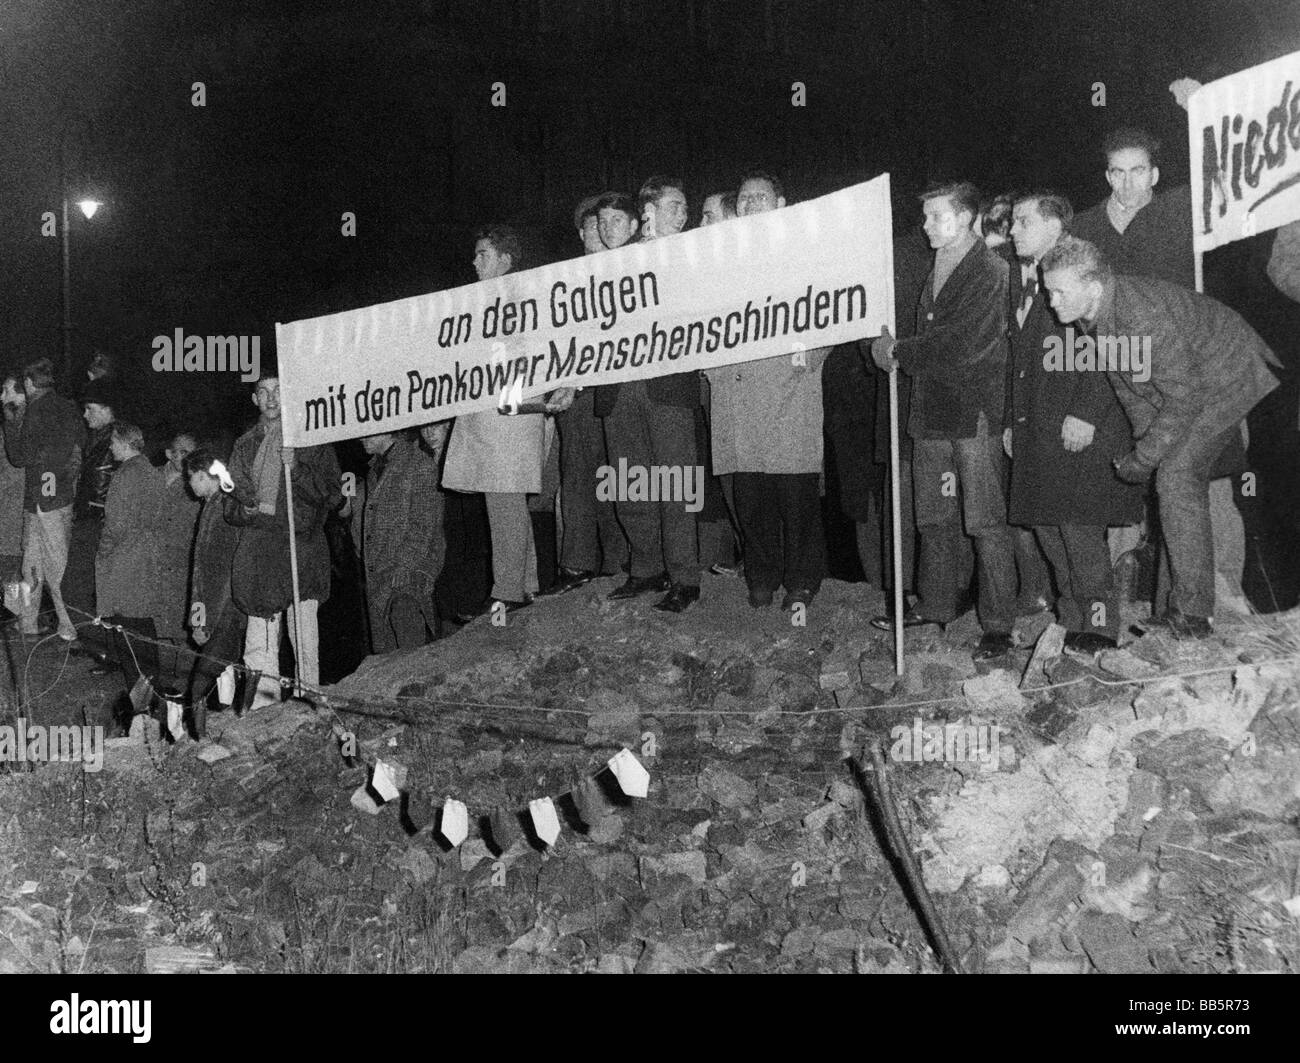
{"points": [[226, 218]]}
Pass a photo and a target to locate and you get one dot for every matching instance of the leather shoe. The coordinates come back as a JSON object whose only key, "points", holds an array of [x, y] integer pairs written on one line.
{"points": [[798, 596], [571, 579], [678, 599], [638, 585], [992, 644], [1088, 642], [1185, 626], [490, 605], [760, 598], [911, 618]]}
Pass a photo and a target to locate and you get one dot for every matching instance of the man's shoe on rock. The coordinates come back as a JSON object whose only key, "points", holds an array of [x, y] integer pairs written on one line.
{"points": [[911, 618], [638, 585], [491, 605], [1089, 642], [760, 597], [798, 596], [992, 645], [679, 598], [1185, 626], [571, 579]]}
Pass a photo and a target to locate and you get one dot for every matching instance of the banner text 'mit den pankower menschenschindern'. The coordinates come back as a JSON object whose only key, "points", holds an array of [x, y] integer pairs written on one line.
{"points": [[811, 275]]}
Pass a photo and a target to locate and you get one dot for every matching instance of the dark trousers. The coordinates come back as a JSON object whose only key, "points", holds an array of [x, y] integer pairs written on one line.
{"points": [[1031, 566], [402, 627], [662, 534], [907, 518], [225, 644], [1183, 488], [593, 540], [781, 521], [1080, 560], [79, 575], [958, 481]]}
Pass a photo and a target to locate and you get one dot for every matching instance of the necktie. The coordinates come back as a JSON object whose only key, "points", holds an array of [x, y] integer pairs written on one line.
{"points": [[1027, 300]]}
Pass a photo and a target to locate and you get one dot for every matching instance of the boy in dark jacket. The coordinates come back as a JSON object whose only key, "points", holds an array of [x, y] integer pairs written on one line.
{"points": [[216, 623]]}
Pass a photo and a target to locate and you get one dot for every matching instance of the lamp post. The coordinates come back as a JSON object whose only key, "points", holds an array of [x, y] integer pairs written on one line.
{"points": [[88, 208]]}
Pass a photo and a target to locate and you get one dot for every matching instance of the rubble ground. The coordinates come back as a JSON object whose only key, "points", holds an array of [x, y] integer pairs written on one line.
{"points": [[1102, 826]]}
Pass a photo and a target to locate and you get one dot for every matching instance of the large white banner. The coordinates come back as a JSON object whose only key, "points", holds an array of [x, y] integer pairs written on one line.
{"points": [[811, 275], [1244, 133]]}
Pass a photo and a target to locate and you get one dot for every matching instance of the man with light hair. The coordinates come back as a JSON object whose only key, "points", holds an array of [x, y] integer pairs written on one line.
{"points": [[44, 437], [957, 362], [1207, 370]]}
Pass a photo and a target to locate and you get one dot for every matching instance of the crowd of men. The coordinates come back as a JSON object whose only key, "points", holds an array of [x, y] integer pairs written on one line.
{"points": [[1064, 390]]}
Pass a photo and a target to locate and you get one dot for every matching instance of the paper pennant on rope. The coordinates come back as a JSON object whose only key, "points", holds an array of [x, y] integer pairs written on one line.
{"points": [[175, 727], [384, 781], [631, 776], [545, 822], [455, 821], [141, 694]]}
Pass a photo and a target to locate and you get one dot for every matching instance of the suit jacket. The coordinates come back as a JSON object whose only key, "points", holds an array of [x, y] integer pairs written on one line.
{"points": [[1157, 242], [675, 389], [1208, 368], [47, 439], [1049, 484], [958, 358]]}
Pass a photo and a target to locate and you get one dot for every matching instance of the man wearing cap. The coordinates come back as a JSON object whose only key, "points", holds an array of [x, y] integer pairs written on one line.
{"points": [[97, 467]]}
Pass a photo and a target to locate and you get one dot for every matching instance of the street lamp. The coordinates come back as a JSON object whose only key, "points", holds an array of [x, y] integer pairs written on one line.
{"points": [[88, 208]]}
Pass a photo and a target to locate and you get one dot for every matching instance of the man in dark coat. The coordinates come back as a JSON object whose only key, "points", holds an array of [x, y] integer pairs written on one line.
{"points": [[99, 404], [1187, 371], [1139, 232], [216, 622], [44, 437], [1062, 432], [262, 578], [849, 410], [957, 362], [651, 424], [397, 531]]}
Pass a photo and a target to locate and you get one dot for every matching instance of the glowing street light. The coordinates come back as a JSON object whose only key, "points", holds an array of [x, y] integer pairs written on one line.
{"points": [[88, 208]]}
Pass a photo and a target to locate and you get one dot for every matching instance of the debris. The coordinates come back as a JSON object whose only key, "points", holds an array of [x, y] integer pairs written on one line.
{"points": [[1050, 645], [995, 693], [212, 753], [727, 788], [175, 959], [363, 802]]}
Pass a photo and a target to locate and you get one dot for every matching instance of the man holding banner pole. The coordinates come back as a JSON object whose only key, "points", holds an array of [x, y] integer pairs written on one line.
{"points": [[958, 364]]}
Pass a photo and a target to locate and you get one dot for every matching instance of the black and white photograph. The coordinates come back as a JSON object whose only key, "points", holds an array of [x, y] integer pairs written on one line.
{"points": [[649, 487]]}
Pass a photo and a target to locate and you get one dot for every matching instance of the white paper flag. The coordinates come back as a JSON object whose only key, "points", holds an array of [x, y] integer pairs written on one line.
{"points": [[174, 717], [545, 821], [384, 781], [455, 821], [631, 776]]}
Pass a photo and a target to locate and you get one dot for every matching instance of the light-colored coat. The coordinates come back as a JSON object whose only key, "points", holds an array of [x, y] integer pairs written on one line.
{"points": [[127, 566], [491, 452], [766, 415]]}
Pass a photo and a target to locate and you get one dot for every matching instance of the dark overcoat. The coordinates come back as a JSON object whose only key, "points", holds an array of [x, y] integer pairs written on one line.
{"points": [[1049, 484], [397, 526], [261, 581]]}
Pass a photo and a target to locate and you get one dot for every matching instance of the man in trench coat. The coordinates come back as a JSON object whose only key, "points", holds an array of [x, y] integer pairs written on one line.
{"points": [[1062, 430]]}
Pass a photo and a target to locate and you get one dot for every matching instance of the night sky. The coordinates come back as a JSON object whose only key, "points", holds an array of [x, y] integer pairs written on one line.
{"points": [[226, 218]]}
